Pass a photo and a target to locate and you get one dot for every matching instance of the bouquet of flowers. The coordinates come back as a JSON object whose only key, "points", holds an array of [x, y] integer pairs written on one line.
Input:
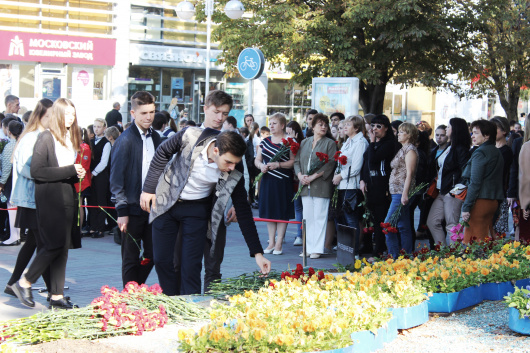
{"points": [[315, 165], [457, 232], [341, 160], [288, 145], [391, 227]]}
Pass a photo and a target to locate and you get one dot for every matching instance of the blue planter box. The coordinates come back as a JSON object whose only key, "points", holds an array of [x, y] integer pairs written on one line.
{"points": [[518, 325], [412, 316], [390, 332], [449, 302], [522, 283], [496, 291], [366, 341]]}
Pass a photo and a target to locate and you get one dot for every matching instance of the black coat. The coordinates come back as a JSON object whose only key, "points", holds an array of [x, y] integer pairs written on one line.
{"points": [[376, 169], [513, 185], [55, 195]]}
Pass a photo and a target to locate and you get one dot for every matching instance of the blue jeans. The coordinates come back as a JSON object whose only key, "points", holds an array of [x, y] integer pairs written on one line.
{"points": [[403, 224], [298, 215]]}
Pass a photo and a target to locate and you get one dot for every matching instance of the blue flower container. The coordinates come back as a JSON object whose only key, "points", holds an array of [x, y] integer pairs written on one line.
{"points": [[522, 283], [390, 331], [366, 341], [516, 324], [449, 302], [496, 291], [412, 316]]}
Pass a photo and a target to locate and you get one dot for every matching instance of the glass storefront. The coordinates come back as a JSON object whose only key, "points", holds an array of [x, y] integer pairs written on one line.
{"points": [[291, 100]]}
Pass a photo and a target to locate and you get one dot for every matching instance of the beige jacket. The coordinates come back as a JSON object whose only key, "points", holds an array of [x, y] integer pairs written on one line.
{"points": [[320, 187]]}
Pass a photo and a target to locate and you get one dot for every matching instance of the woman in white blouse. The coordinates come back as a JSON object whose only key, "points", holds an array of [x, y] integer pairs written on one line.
{"points": [[347, 178], [54, 171]]}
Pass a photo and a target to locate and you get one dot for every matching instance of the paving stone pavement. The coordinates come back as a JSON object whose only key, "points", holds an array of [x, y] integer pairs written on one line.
{"points": [[98, 263]]}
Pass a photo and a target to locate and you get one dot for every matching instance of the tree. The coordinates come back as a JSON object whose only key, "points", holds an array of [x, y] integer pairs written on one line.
{"points": [[378, 41], [501, 64]]}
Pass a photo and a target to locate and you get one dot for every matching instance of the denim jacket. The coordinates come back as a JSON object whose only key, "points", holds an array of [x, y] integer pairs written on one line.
{"points": [[23, 193]]}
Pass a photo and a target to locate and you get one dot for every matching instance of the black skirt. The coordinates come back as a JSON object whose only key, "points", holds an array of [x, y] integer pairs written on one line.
{"points": [[26, 218]]}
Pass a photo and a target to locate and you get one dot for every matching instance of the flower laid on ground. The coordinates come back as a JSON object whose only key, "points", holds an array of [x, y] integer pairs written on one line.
{"points": [[341, 161], [315, 165], [220, 289], [299, 273], [288, 144], [520, 300], [134, 310]]}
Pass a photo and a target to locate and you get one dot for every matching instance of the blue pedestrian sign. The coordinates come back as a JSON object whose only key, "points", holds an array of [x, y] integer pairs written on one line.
{"points": [[251, 63]]}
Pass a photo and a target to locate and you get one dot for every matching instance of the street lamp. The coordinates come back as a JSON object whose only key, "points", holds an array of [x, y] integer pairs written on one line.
{"points": [[185, 10]]}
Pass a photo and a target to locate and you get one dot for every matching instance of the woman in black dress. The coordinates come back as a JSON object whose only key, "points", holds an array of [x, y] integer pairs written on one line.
{"points": [[54, 171]]}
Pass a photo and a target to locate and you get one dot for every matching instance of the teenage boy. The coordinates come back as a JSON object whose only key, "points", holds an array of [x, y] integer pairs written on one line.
{"points": [[131, 156], [200, 168], [100, 178]]}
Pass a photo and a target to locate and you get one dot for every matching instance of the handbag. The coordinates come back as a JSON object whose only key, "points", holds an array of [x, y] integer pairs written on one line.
{"points": [[459, 192], [432, 191]]}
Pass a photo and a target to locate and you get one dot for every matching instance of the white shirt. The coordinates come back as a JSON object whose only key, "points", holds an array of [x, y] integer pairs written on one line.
{"points": [[203, 177], [104, 157], [148, 150], [353, 149], [441, 161], [65, 155]]}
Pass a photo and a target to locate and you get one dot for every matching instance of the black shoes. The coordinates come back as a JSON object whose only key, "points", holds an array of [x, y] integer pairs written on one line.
{"points": [[9, 290], [15, 243], [96, 235], [63, 303], [24, 295]]}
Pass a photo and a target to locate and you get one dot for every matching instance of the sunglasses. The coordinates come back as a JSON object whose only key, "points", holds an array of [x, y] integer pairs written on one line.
{"points": [[376, 126]]}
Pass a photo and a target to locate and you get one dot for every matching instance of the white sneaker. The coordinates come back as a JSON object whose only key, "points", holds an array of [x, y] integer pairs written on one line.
{"points": [[297, 241]]}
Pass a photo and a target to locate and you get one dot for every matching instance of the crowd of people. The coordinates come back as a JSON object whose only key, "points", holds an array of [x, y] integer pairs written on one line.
{"points": [[169, 188]]}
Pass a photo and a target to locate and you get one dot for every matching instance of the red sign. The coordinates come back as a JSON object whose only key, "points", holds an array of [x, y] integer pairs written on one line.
{"points": [[22, 46]]}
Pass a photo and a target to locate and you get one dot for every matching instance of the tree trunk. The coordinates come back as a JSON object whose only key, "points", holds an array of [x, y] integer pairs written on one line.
{"points": [[372, 97], [509, 102]]}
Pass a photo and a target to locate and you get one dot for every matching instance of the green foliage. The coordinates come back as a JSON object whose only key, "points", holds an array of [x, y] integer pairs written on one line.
{"points": [[501, 63], [404, 41], [520, 300]]}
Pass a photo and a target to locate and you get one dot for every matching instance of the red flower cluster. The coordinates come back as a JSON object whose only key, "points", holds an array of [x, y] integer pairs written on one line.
{"points": [[292, 144], [145, 261], [368, 230], [388, 228], [115, 313], [341, 159], [299, 273], [322, 157]]}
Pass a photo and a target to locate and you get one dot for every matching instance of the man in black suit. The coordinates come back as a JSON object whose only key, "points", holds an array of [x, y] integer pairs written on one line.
{"points": [[130, 160], [114, 116]]}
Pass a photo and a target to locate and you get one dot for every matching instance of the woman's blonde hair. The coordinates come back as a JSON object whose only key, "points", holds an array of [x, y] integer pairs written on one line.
{"points": [[57, 124], [358, 123], [411, 130], [282, 120]]}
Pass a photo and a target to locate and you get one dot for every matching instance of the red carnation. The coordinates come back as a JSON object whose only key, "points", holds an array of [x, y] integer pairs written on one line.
{"points": [[336, 155], [343, 160], [320, 275], [295, 147], [371, 229], [285, 142], [311, 271], [145, 261]]}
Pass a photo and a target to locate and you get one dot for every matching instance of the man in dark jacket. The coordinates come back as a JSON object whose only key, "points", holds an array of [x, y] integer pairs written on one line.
{"points": [[114, 116], [131, 157], [203, 173]]}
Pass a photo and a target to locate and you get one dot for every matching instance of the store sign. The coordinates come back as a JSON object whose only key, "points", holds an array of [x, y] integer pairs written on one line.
{"points": [[176, 57], [21, 46]]}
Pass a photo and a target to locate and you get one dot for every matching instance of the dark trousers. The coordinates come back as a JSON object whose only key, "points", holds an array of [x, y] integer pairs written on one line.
{"points": [[186, 222], [24, 257], [99, 197], [212, 263], [56, 260], [139, 234], [379, 208]]}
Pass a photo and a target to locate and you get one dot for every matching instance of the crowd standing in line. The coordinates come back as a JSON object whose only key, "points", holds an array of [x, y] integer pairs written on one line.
{"points": [[174, 190]]}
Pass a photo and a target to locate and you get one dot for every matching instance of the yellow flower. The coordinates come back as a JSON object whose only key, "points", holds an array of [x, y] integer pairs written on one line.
{"points": [[259, 334], [444, 274], [358, 264], [252, 314], [484, 271]]}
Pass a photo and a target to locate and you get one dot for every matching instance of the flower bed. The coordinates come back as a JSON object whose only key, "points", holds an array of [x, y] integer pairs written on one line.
{"points": [[519, 310]]}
